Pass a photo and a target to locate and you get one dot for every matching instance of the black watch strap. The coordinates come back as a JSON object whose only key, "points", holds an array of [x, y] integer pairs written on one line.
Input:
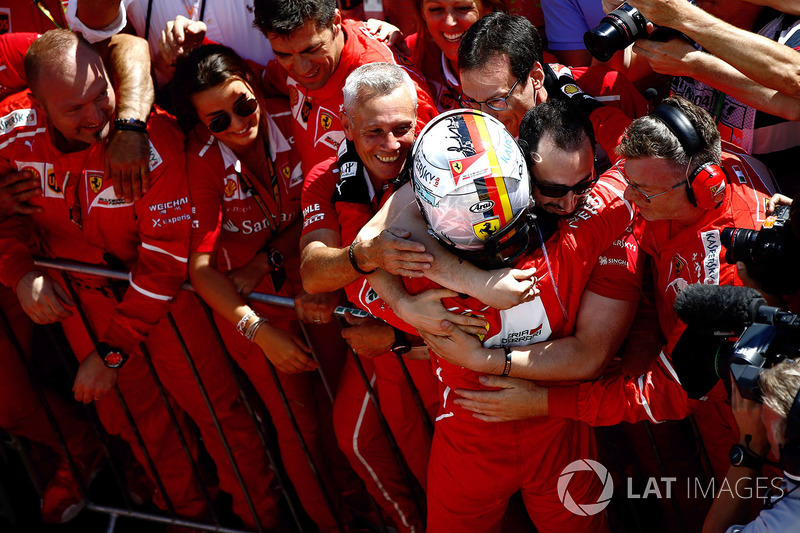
{"points": [[111, 356], [401, 343], [130, 124]]}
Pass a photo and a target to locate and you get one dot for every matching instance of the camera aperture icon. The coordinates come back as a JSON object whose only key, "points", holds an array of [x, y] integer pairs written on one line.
{"points": [[585, 509]]}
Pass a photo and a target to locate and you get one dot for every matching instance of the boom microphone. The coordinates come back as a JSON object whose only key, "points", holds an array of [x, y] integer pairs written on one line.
{"points": [[718, 307]]}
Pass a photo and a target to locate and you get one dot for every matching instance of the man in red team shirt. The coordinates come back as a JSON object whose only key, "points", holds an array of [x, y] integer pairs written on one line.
{"points": [[340, 195], [503, 73], [472, 185], [682, 235], [315, 50], [56, 132]]}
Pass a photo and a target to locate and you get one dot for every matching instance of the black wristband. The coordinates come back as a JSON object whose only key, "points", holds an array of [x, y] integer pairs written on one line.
{"points": [[352, 256], [507, 368], [130, 124]]}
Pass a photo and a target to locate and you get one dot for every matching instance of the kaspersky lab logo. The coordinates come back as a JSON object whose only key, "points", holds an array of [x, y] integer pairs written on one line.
{"points": [[585, 509]]}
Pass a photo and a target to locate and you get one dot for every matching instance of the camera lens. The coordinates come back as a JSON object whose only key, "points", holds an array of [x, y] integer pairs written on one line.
{"points": [[739, 244], [616, 31]]}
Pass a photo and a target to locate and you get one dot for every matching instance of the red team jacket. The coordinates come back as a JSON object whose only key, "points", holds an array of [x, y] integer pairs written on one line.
{"points": [[681, 256], [227, 219], [12, 61], [316, 126], [150, 236], [563, 273]]}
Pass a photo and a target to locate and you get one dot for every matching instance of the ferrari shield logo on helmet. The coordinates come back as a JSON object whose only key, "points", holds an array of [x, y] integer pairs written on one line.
{"points": [[486, 228]]}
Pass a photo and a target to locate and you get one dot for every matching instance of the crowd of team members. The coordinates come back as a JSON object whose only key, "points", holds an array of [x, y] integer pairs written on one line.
{"points": [[282, 168]]}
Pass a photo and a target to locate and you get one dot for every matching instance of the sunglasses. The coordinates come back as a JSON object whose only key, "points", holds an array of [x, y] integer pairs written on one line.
{"points": [[557, 191], [243, 108]]}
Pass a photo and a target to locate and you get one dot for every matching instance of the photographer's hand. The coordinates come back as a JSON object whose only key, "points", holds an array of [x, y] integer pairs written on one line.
{"points": [[776, 200]]}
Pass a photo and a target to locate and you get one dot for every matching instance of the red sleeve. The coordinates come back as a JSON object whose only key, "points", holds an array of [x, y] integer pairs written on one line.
{"points": [[12, 61], [206, 189], [656, 395], [316, 199], [426, 106], [160, 268], [16, 258], [612, 88], [273, 78], [16, 233], [609, 124], [618, 271]]}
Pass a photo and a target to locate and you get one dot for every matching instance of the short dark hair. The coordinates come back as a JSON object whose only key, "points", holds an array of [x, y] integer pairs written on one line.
{"points": [[648, 136], [282, 17], [201, 69], [567, 125], [501, 33]]}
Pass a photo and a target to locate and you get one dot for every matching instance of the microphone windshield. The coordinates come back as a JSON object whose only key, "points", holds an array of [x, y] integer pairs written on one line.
{"points": [[716, 307]]}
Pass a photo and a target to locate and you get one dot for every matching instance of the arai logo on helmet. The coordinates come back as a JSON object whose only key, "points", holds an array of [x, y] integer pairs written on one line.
{"points": [[482, 206]]}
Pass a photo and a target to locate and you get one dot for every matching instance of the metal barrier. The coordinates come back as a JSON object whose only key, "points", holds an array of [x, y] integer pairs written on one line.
{"points": [[215, 523]]}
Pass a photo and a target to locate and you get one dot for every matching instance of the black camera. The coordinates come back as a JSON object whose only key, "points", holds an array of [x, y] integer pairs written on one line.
{"points": [[616, 31], [710, 349], [772, 254]]}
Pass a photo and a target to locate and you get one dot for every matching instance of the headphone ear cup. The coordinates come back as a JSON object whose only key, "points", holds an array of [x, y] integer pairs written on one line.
{"points": [[707, 186], [790, 457]]}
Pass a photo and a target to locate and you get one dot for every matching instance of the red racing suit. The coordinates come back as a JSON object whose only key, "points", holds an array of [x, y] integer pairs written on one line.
{"points": [[681, 256], [25, 16], [470, 473], [12, 62], [228, 222], [83, 220], [316, 126], [349, 206]]}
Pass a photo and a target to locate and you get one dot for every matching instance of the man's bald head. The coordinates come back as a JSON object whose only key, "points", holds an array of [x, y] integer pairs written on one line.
{"points": [[67, 78], [55, 53]]}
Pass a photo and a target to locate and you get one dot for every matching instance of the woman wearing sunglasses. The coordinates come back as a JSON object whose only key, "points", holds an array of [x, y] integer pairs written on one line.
{"points": [[245, 186]]}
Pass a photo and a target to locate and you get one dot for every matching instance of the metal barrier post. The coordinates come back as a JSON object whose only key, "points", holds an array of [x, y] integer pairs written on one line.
{"points": [[234, 367], [213, 414], [121, 400]]}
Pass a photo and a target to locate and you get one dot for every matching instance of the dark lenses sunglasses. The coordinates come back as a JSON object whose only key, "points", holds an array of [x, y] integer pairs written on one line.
{"points": [[557, 191], [245, 108]]}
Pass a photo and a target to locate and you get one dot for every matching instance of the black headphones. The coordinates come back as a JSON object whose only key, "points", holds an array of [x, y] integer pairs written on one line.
{"points": [[705, 186]]}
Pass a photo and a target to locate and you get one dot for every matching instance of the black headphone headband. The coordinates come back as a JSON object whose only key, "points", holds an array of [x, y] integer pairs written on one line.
{"points": [[680, 125]]}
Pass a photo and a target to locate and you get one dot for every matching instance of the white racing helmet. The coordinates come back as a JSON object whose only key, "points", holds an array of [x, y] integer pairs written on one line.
{"points": [[472, 186]]}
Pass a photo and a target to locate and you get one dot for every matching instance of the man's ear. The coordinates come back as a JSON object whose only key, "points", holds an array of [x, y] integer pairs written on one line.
{"points": [[347, 126], [337, 20], [537, 75]]}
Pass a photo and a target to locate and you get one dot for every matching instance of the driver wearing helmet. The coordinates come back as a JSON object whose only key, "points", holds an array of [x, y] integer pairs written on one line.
{"points": [[471, 183]]}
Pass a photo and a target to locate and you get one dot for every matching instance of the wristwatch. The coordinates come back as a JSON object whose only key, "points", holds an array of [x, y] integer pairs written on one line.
{"points": [[112, 357], [742, 457], [275, 258], [401, 345]]}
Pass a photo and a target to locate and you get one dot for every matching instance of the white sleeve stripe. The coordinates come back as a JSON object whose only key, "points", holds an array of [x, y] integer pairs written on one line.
{"points": [[21, 135], [669, 368], [152, 295], [159, 250], [640, 386]]}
